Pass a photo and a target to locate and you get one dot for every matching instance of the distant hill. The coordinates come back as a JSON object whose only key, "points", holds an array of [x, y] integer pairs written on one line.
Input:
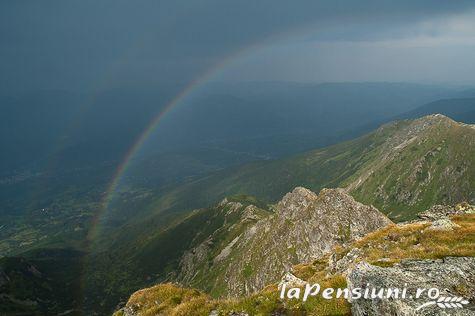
{"points": [[461, 110], [426, 154], [283, 118], [428, 161], [77, 129]]}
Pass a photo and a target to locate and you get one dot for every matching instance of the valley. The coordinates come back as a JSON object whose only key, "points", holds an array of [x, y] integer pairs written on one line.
{"points": [[158, 231]]}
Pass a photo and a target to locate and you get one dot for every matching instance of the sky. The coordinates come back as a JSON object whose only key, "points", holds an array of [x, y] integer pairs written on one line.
{"points": [[101, 44]]}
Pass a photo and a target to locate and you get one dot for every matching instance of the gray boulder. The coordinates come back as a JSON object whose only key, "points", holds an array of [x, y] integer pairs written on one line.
{"points": [[453, 277]]}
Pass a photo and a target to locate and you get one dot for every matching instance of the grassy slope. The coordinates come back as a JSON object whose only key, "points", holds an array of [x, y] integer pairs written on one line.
{"points": [[437, 167], [451, 169], [113, 275], [395, 242], [43, 282], [269, 181]]}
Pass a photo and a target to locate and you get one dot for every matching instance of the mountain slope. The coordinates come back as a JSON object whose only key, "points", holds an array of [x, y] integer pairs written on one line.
{"points": [[434, 144], [135, 260], [147, 250], [44, 282], [430, 161], [235, 247]]}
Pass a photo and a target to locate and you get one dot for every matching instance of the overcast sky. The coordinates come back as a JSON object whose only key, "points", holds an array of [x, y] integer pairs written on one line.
{"points": [[98, 44]]}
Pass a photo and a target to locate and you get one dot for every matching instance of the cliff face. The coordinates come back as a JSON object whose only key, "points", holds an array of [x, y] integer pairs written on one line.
{"points": [[303, 227]]}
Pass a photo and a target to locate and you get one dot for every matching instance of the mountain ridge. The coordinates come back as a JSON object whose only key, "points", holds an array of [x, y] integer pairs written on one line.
{"points": [[303, 226], [334, 166]]}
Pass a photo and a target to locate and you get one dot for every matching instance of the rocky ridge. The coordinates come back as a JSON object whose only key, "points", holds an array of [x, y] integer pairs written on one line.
{"points": [[303, 227], [416, 257]]}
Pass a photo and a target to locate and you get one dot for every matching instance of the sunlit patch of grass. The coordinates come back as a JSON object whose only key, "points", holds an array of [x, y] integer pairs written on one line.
{"points": [[319, 306], [417, 241], [170, 299], [267, 301], [305, 271], [394, 243]]}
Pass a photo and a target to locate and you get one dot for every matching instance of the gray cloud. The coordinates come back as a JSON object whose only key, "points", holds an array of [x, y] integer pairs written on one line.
{"points": [[94, 44]]}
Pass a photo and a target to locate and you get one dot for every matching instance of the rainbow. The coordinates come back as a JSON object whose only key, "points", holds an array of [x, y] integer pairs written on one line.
{"points": [[121, 170], [100, 83], [198, 82]]}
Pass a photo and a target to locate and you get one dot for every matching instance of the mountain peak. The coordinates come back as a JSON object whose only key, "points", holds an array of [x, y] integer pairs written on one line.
{"points": [[439, 120], [295, 201], [436, 118]]}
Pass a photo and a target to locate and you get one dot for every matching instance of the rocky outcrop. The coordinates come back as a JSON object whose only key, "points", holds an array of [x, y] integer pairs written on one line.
{"points": [[304, 227], [443, 224], [342, 265], [290, 280], [126, 311], [438, 212], [439, 215], [453, 277]]}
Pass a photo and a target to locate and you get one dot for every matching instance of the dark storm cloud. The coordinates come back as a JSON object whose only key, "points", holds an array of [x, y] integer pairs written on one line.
{"points": [[86, 44]]}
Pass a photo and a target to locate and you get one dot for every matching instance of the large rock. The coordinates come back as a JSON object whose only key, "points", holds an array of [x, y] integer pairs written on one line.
{"points": [[342, 265], [454, 277], [441, 212], [303, 227], [440, 215]]}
